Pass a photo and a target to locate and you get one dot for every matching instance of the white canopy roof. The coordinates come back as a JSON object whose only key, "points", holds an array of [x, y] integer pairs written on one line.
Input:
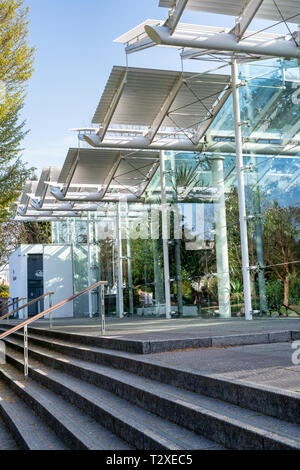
{"points": [[157, 100], [289, 9]]}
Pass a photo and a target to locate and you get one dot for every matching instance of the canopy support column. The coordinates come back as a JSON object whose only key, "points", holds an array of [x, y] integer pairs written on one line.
{"points": [[241, 190], [120, 265], [129, 265], [89, 247], [259, 240], [221, 237], [165, 237]]}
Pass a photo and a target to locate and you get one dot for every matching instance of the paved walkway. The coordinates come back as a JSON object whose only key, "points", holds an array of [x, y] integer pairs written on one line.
{"points": [[269, 365], [159, 328]]}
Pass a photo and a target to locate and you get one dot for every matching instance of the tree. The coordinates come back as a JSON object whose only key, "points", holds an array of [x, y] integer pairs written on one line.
{"points": [[32, 233], [16, 56], [16, 67], [13, 172], [282, 244], [13, 234]]}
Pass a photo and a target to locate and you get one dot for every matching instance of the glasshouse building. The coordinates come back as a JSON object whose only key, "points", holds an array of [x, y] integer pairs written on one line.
{"points": [[183, 195]]}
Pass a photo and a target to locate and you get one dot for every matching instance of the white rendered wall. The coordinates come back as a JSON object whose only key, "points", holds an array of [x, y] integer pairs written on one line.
{"points": [[18, 270], [58, 277]]}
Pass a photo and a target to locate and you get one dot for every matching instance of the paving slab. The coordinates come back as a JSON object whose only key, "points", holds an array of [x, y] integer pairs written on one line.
{"points": [[177, 328], [268, 365]]}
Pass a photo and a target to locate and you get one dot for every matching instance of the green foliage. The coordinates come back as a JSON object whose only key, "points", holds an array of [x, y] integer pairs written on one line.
{"points": [[275, 294], [142, 261], [187, 291], [4, 289], [16, 66], [294, 290], [282, 245], [16, 56], [233, 234], [13, 172], [4, 295], [184, 176], [33, 233], [237, 290]]}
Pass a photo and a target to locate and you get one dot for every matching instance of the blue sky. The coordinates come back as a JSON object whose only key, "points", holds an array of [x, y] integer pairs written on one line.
{"points": [[75, 54]]}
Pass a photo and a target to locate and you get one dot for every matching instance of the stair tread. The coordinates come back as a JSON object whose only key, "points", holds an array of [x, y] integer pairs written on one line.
{"points": [[93, 435], [168, 433], [37, 435], [137, 358], [216, 407], [7, 442]]}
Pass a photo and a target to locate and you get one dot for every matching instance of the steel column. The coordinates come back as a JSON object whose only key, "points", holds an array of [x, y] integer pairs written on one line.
{"points": [[165, 237], [241, 190], [259, 240], [221, 237], [120, 266], [129, 264], [89, 247]]}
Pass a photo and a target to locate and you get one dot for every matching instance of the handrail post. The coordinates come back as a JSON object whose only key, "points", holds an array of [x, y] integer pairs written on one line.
{"points": [[23, 309], [102, 302], [26, 352], [50, 314]]}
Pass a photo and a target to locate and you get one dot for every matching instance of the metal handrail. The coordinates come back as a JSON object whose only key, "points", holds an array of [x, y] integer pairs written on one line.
{"points": [[15, 302], [49, 310], [26, 305]]}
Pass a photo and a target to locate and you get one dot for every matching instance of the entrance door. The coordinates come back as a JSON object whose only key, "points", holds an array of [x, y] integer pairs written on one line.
{"points": [[35, 280]]}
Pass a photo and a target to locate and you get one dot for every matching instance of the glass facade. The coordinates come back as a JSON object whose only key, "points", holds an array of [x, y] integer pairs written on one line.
{"points": [[123, 243]]}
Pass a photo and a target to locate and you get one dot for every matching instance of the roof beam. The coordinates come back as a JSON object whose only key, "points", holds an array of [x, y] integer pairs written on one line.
{"points": [[214, 112], [111, 174], [247, 15], [113, 105], [139, 45], [62, 195], [148, 179], [51, 207], [71, 174], [42, 199], [154, 128], [91, 197], [175, 14], [68, 206], [224, 42], [187, 145]]}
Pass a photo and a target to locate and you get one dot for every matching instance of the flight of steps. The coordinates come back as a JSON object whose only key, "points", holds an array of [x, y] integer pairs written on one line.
{"points": [[86, 396]]}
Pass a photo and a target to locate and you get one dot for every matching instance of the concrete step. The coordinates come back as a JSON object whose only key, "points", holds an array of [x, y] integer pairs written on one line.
{"points": [[153, 346], [141, 429], [76, 429], [229, 425], [268, 401], [7, 442], [28, 430]]}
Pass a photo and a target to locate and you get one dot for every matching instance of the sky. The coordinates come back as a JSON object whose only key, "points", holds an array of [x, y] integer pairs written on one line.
{"points": [[75, 53]]}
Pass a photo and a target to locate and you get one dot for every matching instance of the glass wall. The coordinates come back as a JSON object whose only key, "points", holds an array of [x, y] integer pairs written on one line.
{"points": [[123, 243]]}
